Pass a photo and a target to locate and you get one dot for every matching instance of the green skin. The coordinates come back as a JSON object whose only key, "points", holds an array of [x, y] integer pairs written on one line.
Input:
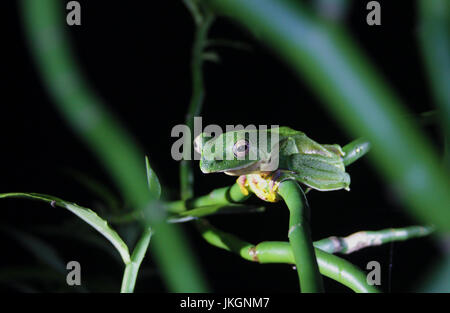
{"points": [[237, 153]]}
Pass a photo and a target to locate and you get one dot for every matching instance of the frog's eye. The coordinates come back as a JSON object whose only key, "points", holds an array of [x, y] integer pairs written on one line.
{"points": [[241, 148]]}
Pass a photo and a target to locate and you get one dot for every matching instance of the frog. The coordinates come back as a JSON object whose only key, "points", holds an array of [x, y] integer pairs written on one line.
{"points": [[264, 158]]}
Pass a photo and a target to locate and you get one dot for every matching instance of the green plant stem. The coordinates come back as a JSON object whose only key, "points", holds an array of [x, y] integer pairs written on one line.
{"points": [[230, 194], [330, 265], [218, 197], [325, 56], [198, 95], [364, 239], [300, 237], [132, 267], [355, 150], [117, 151]]}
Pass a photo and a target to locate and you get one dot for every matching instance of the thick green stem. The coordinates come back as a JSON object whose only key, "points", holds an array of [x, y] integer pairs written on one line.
{"points": [[331, 266], [132, 268], [300, 237]]}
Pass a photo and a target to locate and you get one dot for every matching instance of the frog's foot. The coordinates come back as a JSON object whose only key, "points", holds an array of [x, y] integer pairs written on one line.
{"points": [[263, 185], [243, 185]]}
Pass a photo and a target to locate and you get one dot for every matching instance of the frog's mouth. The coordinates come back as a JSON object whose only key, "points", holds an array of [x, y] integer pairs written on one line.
{"points": [[261, 166], [244, 169], [234, 171], [249, 168]]}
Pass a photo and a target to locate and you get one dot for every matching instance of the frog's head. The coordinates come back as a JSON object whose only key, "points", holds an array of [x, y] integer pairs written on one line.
{"points": [[238, 152]]}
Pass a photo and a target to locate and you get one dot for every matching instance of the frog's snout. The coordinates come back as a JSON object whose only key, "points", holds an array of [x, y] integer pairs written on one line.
{"points": [[205, 166]]}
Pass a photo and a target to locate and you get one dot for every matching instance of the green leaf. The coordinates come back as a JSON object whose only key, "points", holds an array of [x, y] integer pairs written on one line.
{"points": [[85, 214], [153, 182], [213, 210]]}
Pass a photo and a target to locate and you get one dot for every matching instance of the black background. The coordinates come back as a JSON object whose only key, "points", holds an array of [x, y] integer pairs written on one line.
{"points": [[136, 55]]}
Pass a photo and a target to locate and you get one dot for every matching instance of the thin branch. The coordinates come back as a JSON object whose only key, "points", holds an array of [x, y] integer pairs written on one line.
{"points": [[196, 102]]}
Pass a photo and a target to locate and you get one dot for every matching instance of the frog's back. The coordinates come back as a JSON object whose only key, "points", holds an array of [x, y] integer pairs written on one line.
{"points": [[293, 141], [285, 131]]}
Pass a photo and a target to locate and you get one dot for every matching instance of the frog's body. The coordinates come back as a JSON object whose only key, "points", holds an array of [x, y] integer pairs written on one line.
{"points": [[296, 156]]}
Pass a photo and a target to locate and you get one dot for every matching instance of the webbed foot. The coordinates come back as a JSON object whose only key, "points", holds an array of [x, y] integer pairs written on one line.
{"points": [[263, 185]]}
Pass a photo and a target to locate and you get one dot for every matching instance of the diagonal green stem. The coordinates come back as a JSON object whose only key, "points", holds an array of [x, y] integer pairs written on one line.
{"points": [[300, 237], [325, 55], [102, 132], [435, 43]]}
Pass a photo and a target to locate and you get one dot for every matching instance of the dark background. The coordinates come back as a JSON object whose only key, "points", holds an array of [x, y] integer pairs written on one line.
{"points": [[136, 55]]}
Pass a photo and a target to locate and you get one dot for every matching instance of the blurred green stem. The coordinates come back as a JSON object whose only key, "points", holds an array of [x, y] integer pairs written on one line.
{"points": [[117, 151], [324, 55], [300, 237], [435, 42], [193, 8], [132, 268]]}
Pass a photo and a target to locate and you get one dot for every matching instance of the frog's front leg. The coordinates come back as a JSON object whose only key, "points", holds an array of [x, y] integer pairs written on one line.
{"points": [[263, 185]]}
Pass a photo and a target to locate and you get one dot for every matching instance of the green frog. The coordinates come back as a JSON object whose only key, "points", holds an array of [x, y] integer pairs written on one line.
{"points": [[264, 158]]}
